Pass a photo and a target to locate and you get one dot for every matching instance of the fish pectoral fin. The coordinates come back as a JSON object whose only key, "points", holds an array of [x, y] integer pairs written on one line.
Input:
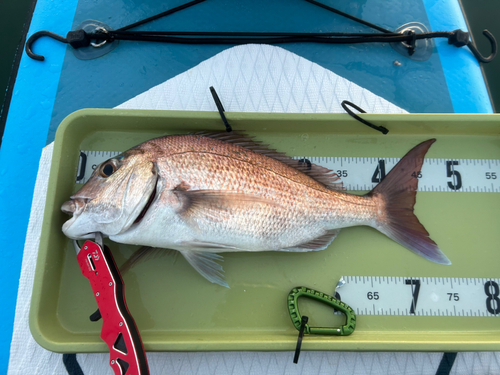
{"points": [[206, 264], [208, 202], [320, 243]]}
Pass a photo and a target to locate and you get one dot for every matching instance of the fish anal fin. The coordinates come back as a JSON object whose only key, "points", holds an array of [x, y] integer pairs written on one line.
{"points": [[322, 175], [206, 264], [319, 243]]}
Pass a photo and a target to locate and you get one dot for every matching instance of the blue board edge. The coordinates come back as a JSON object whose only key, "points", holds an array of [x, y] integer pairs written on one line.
{"points": [[23, 140], [468, 93]]}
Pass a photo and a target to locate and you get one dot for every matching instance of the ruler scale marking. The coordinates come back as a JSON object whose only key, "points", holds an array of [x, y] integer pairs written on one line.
{"points": [[433, 296], [464, 175]]}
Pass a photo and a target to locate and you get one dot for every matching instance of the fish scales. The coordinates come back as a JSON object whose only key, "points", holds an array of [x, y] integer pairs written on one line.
{"points": [[291, 204], [242, 177], [168, 146], [299, 200]]}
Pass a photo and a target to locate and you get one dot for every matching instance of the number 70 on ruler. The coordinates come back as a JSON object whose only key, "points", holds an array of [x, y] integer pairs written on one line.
{"points": [[425, 296]]}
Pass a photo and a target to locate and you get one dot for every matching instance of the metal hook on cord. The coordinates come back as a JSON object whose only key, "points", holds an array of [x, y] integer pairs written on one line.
{"points": [[77, 39], [478, 55], [461, 38], [32, 39]]}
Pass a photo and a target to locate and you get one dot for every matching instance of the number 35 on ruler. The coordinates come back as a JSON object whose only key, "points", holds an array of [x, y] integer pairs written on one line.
{"points": [[445, 175]]}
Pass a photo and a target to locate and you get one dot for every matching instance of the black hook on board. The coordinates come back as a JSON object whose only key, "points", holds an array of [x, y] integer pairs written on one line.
{"points": [[344, 105], [220, 108]]}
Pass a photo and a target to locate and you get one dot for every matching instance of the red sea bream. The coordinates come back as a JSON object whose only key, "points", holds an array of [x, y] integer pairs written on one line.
{"points": [[210, 193]]}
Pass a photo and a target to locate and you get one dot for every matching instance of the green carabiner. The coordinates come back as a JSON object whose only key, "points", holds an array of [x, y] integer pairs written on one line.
{"points": [[293, 309]]}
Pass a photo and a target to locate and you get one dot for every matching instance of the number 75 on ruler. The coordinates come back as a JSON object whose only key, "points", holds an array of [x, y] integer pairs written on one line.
{"points": [[427, 296]]}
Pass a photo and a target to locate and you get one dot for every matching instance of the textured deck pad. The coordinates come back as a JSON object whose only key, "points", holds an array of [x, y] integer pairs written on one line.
{"points": [[259, 78]]}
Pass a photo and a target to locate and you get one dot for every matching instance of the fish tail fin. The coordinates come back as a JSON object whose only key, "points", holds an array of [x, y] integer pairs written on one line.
{"points": [[396, 196]]}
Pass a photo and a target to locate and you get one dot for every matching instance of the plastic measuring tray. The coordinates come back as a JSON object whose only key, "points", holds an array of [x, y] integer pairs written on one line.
{"points": [[178, 310]]}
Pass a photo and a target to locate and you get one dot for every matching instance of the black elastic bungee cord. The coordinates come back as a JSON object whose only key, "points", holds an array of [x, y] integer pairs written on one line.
{"points": [[349, 16], [245, 38], [160, 15], [80, 38]]}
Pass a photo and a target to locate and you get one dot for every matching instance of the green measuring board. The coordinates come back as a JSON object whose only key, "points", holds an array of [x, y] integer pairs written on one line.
{"points": [[176, 309]]}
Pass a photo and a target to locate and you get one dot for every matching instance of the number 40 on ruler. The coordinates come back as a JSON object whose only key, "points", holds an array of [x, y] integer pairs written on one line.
{"points": [[462, 175]]}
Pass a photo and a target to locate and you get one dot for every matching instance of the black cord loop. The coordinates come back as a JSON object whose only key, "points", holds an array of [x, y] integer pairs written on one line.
{"points": [[413, 42], [344, 105]]}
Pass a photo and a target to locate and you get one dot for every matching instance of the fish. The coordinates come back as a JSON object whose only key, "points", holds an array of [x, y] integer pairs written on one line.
{"points": [[208, 193]]}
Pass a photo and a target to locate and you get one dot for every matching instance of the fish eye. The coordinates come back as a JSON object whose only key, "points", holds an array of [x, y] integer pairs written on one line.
{"points": [[107, 169]]}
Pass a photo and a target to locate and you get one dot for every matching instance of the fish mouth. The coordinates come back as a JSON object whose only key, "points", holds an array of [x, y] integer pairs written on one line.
{"points": [[70, 232], [74, 206], [148, 204]]}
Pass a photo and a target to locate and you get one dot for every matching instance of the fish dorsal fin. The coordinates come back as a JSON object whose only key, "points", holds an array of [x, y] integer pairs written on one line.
{"points": [[320, 243], [320, 174]]}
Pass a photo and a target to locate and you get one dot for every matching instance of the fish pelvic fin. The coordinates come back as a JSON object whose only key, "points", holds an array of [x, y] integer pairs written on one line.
{"points": [[143, 254], [206, 264], [395, 196]]}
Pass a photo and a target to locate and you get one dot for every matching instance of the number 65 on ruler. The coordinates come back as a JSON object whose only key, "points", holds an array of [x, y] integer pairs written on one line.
{"points": [[427, 296]]}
